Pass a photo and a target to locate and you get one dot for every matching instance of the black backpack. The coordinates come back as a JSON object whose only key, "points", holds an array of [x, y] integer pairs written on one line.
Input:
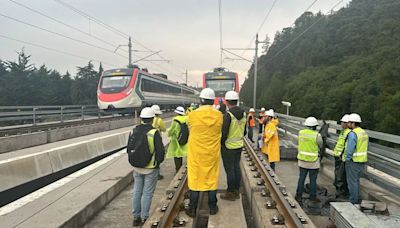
{"points": [[183, 135], [138, 149]]}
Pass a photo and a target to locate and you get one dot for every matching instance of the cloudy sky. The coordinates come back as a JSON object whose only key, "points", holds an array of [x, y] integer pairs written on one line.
{"points": [[185, 31]]}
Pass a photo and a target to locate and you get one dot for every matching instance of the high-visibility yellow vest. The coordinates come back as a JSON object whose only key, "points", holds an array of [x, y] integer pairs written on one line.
{"points": [[308, 146], [150, 141], [360, 154], [236, 132], [341, 141]]}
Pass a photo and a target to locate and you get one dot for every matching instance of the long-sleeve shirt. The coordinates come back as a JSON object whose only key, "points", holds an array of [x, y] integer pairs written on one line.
{"points": [[351, 145]]}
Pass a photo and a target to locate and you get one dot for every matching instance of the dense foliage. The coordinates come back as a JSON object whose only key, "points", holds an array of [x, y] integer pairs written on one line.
{"points": [[348, 61], [21, 83]]}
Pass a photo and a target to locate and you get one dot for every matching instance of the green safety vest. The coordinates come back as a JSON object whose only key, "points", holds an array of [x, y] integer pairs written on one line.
{"points": [[236, 132], [308, 146], [150, 140], [341, 141], [360, 154]]}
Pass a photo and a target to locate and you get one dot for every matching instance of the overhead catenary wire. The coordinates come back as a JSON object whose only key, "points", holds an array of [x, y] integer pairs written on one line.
{"points": [[220, 31], [56, 50], [96, 20], [300, 35], [63, 23], [113, 29], [60, 34]]}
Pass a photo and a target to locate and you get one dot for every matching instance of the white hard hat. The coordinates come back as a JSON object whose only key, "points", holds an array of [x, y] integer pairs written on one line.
{"points": [[262, 109], [270, 113], [354, 117], [180, 110], [252, 110], [231, 96], [345, 118], [156, 109], [311, 121], [147, 113], [208, 94]]}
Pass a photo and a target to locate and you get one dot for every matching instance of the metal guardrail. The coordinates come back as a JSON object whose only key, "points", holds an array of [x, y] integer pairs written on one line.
{"points": [[380, 157], [14, 115]]}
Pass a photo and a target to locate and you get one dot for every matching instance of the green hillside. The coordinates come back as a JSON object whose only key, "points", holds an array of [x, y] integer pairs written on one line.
{"points": [[348, 61]]}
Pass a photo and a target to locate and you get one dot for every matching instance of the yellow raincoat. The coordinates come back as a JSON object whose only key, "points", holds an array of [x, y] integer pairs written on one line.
{"points": [[205, 126], [271, 141], [159, 124]]}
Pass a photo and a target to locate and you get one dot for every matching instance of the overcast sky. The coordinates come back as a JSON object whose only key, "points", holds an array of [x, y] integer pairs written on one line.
{"points": [[186, 31]]}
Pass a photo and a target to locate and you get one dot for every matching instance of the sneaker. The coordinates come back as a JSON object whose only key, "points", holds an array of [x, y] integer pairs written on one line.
{"points": [[214, 211], [231, 196], [137, 222], [190, 212], [160, 177]]}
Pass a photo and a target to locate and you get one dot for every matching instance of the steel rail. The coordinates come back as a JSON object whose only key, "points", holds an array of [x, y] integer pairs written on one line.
{"points": [[291, 219], [174, 206]]}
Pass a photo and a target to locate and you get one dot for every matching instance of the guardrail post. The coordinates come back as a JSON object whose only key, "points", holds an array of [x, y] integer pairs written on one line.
{"points": [[82, 112], [34, 116], [62, 114]]}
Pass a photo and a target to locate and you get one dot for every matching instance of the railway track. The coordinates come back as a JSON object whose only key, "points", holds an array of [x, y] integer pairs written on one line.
{"points": [[285, 211]]}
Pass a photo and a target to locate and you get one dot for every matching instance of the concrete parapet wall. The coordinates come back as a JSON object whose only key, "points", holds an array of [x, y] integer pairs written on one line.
{"points": [[17, 142], [20, 170]]}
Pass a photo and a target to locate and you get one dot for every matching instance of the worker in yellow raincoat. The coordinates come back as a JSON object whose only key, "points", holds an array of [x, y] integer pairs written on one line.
{"points": [[175, 149], [205, 126], [271, 139]]}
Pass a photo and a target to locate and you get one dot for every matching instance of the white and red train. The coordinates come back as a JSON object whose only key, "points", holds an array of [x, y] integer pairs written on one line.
{"points": [[127, 89]]}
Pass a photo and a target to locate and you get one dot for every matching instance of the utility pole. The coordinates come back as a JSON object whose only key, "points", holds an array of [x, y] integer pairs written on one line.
{"points": [[130, 53], [255, 70], [186, 77]]}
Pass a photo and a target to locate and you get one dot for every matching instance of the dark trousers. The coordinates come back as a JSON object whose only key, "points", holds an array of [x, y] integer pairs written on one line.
{"points": [[313, 173], [178, 163], [250, 133], [231, 160], [340, 178], [353, 175], [194, 199]]}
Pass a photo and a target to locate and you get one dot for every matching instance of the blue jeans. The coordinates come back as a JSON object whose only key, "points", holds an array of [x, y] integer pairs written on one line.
{"points": [[231, 160], [143, 189], [250, 133], [313, 173], [353, 174], [194, 199]]}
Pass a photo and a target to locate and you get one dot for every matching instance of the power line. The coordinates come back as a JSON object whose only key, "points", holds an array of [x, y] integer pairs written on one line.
{"points": [[55, 50], [63, 23], [260, 27], [301, 34], [59, 34], [108, 27], [220, 30]]}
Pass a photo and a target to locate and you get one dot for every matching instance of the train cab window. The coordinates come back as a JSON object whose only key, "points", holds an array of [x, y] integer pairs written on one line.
{"points": [[114, 84]]}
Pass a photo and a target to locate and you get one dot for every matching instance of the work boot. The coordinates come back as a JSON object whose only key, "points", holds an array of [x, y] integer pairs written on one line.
{"points": [[190, 212], [237, 194], [229, 196], [137, 222], [214, 211], [315, 200], [299, 199]]}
